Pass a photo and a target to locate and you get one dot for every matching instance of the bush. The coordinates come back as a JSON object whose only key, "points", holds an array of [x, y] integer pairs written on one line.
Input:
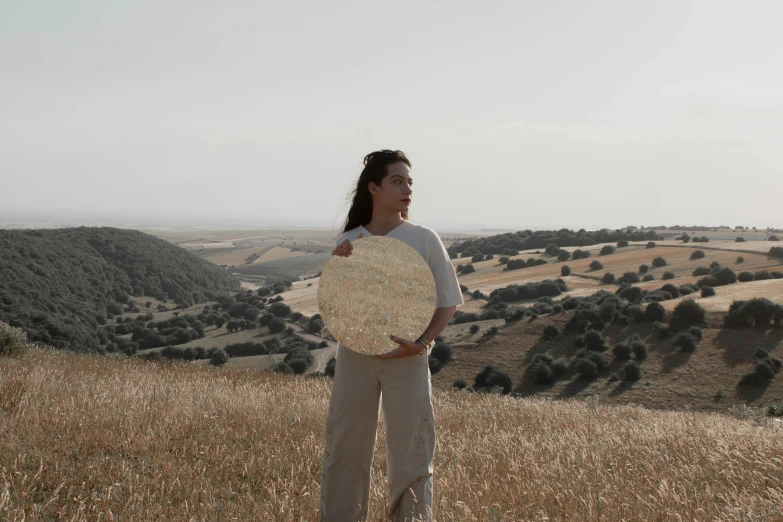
{"points": [[707, 291], [622, 352], [630, 277], [219, 357], [608, 278], [773, 238], [565, 270], [643, 269], [607, 250], [696, 332], [631, 371], [758, 311], [744, 277], [649, 277], [282, 367], [13, 341], [740, 239], [596, 265], [658, 262], [690, 311], [697, 254], [564, 255], [459, 384], [638, 348], [724, 276], [622, 243], [650, 244], [581, 254], [474, 328], [740, 259], [776, 252], [685, 341], [671, 290], [586, 369], [702, 271], [660, 329], [550, 332], [494, 376], [276, 325], [541, 371], [654, 312], [467, 269], [668, 275], [594, 340]]}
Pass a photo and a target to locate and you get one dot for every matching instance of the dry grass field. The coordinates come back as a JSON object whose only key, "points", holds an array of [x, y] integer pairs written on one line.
{"points": [[100, 438]]}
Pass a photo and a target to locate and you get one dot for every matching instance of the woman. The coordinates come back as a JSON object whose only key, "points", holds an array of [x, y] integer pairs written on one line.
{"points": [[401, 377]]}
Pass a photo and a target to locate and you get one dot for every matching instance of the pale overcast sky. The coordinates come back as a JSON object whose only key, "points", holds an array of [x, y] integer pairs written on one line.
{"points": [[515, 114]]}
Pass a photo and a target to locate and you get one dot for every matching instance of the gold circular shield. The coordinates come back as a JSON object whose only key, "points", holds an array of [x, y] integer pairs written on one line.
{"points": [[385, 287]]}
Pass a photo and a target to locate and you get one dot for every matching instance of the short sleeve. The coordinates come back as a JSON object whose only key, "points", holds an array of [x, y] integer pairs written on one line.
{"points": [[446, 283]]}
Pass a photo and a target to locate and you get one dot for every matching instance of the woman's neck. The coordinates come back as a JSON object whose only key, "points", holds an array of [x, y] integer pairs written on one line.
{"points": [[382, 225]]}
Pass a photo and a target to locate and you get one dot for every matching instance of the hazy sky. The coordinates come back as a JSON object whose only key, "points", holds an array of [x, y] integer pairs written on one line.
{"points": [[516, 114]]}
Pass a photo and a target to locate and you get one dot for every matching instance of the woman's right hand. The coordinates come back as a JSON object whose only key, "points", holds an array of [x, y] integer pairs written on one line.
{"points": [[345, 249]]}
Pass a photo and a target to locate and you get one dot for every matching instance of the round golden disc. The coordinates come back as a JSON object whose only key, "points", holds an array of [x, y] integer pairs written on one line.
{"points": [[385, 287]]}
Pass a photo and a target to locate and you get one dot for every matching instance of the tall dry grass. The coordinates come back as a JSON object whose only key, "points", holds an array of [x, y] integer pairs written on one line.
{"points": [[97, 438]]}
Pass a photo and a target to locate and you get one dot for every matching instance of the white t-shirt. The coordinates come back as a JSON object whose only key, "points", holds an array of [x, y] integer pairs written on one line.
{"points": [[427, 243]]}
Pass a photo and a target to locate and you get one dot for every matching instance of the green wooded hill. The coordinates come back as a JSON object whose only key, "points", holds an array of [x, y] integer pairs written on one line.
{"points": [[60, 285]]}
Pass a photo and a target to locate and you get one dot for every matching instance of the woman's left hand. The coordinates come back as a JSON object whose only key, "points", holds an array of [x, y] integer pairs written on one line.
{"points": [[406, 349]]}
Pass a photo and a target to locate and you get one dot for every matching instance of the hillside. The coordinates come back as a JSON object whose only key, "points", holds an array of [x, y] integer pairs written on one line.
{"points": [[60, 285]]}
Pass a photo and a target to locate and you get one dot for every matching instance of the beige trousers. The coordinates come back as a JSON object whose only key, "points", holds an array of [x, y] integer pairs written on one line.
{"points": [[359, 383]]}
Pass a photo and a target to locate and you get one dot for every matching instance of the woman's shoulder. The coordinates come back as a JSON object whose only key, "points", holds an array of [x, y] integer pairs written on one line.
{"points": [[350, 235]]}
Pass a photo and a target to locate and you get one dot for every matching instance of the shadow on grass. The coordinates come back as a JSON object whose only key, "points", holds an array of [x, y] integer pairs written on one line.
{"points": [[752, 392], [739, 344], [621, 387]]}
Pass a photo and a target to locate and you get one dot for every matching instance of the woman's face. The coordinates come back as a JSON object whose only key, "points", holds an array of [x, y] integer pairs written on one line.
{"points": [[396, 190]]}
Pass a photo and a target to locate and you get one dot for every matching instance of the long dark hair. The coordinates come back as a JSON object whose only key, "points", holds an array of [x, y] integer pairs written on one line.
{"points": [[374, 171]]}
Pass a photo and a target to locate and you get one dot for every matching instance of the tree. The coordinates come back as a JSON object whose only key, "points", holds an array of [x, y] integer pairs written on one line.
{"points": [[565, 270], [658, 262], [596, 265]]}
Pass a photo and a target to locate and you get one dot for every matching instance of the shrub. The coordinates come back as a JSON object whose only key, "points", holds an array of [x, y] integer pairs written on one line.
{"points": [[740, 259], [630, 277], [707, 291], [654, 312], [671, 290], [550, 332], [586, 369], [276, 325], [494, 376], [638, 348], [740, 239], [660, 329], [596, 265], [744, 277], [474, 328], [460, 384], [776, 252], [631, 371], [690, 311], [622, 243], [762, 275], [564, 255], [685, 341], [643, 269], [219, 357], [541, 371], [773, 238], [581, 254], [282, 367], [697, 254], [658, 262], [650, 244], [724, 276], [608, 278], [758, 311], [622, 352], [702, 271], [668, 275], [467, 269], [607, 250], [649, 277], [696, 332], [565, 270], [13, 341], [685, 238], [594, 340], [477, 258], [559, 367]]}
